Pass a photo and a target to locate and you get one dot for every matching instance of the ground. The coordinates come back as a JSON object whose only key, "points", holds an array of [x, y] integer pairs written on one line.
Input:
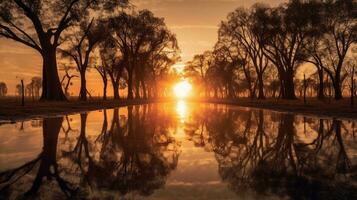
{"points": [[11, 109]]}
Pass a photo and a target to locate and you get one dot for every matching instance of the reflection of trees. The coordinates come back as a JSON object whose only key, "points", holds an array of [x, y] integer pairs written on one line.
{"points": [[44, 166], [271, 153], [134, 155]]}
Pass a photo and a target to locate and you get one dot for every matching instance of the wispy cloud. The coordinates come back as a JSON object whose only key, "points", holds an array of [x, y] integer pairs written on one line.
{"points": [[193, 27]]}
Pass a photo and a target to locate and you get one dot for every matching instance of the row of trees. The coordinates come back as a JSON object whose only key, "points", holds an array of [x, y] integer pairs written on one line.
{"points": [[136, 51], [31, 89], [260, 49], [132, 50]]}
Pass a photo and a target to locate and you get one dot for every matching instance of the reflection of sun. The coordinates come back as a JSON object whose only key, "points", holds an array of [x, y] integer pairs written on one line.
{"points": [[181, 110], [182, 89]]}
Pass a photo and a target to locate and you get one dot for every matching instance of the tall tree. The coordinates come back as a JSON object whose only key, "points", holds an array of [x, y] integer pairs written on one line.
{"points": [[39, 24], [82, 44], [239, 30], [137, 36], [340, 19], [103, 72], [284, 32], [113, 63]]}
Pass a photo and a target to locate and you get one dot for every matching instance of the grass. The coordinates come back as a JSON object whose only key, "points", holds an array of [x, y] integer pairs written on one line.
{"points": [[326, 108], [11, 109]]}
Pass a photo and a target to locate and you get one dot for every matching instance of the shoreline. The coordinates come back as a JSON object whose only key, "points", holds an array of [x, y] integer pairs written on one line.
{"points": [[11, 110], [314, 107]]}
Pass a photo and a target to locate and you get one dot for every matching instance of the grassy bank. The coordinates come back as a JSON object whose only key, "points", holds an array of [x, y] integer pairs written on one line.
{"points": [[11, 109], [326, 108]]}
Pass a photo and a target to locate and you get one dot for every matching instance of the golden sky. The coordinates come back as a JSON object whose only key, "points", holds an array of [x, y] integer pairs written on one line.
{"points": [[195, 23]]}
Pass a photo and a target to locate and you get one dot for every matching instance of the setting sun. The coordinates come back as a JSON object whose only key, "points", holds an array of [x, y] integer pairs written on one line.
{"points": [[182, 89]]}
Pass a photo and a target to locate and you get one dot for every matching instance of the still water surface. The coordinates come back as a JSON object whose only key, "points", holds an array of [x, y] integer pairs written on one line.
{"points": [[179, 151]]}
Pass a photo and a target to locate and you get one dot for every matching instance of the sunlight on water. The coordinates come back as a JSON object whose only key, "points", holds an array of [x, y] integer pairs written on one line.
{"points": [[179, 150], [181, 109]]}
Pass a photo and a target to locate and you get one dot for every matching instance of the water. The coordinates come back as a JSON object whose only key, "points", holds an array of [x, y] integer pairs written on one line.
{"points": [[179, 151]]}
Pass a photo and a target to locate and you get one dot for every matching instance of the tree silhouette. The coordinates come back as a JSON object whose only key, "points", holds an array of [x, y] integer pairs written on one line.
{"points": [[3, 89], [103, 72], [28, 22], [240, 33], [66, 80], [44, 166], [82, 45]]}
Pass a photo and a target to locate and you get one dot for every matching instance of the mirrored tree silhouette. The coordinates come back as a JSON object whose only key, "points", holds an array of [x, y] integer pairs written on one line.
{"points": [[42, 169], [269, 153], [133, 156]]}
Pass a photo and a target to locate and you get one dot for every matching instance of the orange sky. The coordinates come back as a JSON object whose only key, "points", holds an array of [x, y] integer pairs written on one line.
{"points": [[195, 23]]}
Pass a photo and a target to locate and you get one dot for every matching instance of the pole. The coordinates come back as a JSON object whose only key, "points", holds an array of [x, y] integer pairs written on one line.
{"points": [[22, 93], [352, 87], [304, 89]]}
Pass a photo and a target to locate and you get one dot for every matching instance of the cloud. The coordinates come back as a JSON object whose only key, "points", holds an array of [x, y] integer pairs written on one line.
{"points": [[194, 27]]}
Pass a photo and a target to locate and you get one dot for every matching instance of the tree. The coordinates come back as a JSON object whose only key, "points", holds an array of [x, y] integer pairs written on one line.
{"points": [[40, 24], [199, 67], [103, 72], [113, 63], [82, 44], [37, 84], [138, 37], [19, 89], [3, 89], [239, 30], [67, 77], [340, 20], [284, 32]]}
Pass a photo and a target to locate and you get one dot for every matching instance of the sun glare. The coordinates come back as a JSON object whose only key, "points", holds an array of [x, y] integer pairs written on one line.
{"points": [[182, 89]]}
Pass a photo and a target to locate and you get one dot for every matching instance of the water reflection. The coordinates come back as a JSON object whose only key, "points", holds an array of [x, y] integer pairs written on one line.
{"points": [[270, 154], [181, 109], [136, 151], [134, 155]]}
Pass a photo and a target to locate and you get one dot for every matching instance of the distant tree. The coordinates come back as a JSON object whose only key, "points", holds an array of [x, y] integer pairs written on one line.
{"points": [[18, 89], [3, 89], [37, 85], [40, 25]]}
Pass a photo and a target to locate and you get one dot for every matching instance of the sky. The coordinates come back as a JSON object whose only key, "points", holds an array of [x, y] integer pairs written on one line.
{"points": [[195, 23]]}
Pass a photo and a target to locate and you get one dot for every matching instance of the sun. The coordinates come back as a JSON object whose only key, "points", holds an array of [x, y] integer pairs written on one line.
{"points": [[182, 89]]}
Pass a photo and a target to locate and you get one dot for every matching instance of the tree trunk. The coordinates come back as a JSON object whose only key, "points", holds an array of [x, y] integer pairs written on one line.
{"points": [[51, 86], [116, 90], [105, 85], [145, 96], [83, 90], [289, 87], [260, 87], [337, 87], [130, 85], [137, 90], [321, 94]]}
